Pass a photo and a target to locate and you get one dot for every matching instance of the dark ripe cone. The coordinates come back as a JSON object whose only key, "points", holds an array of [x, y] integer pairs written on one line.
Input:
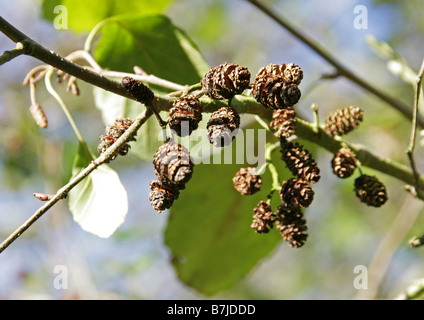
{"points": [[343, 121], [283, 122], [292, 225], [370, 191], [185, 115], [299, 161], [222, 125], [275, 92], [343, 163], [263, 218], [113, 133], [247, 181], [294, 73], [173, 162], [162, 195], [225, 81], [137, 90], [296, 193]]}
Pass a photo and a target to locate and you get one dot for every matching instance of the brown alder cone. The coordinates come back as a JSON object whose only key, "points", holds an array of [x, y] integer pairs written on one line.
{"points": [[296, 193], [225, 81], [185, 115], [294, 73], [263, 218], [247, 181], [222, 125], [113, 133], [292, 225], [139, 91], [370, 190], [283, 122], [343, 163], [163, 194], [343, 121], [275, 92], [299, 161], [290, 71], [172, 162]]}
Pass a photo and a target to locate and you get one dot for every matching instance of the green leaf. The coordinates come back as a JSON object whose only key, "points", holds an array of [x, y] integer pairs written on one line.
{"points": [[83, 15], [98, 203], [208, 231], [153, 43], [113, 106]]}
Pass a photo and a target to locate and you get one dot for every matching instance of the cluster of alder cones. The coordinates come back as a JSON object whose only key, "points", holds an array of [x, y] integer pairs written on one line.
{"points": [[275, 87], [297, 193]]}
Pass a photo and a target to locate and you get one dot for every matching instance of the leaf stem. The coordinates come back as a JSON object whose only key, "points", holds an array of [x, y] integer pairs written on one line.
{"points": [[65, 109]]}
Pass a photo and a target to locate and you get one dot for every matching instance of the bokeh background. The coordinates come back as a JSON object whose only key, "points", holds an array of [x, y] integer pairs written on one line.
{"points": [[135, 262]]}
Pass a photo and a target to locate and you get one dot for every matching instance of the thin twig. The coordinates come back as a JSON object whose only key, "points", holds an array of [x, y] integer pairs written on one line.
{"points": [[62, 192], [410, 151], [12, 54], [320, 50]]}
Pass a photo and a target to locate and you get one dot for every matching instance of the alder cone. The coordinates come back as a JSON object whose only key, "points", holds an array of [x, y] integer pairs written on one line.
{"points": [[271, 69], [343, 121], [263, 218], [247, 181], [172, 161], [290, 71], [185, 115], [344, 163], [163, 194], [221, 126], [275, 92], [283, 122], [137, 90], [299, 161], [296, 193], [292, 225], [370, 190], [225, 81], [294, 73], [113, 133]]}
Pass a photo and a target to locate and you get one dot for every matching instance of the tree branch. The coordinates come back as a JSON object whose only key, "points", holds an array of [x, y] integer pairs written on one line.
{"points": [[242, 104], [11, 54], [341, 70], [53, 59]]}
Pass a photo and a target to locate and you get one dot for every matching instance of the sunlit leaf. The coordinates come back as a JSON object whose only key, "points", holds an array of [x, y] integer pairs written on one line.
{"points": [[83, 15], [152, 43], [99, 203]]}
